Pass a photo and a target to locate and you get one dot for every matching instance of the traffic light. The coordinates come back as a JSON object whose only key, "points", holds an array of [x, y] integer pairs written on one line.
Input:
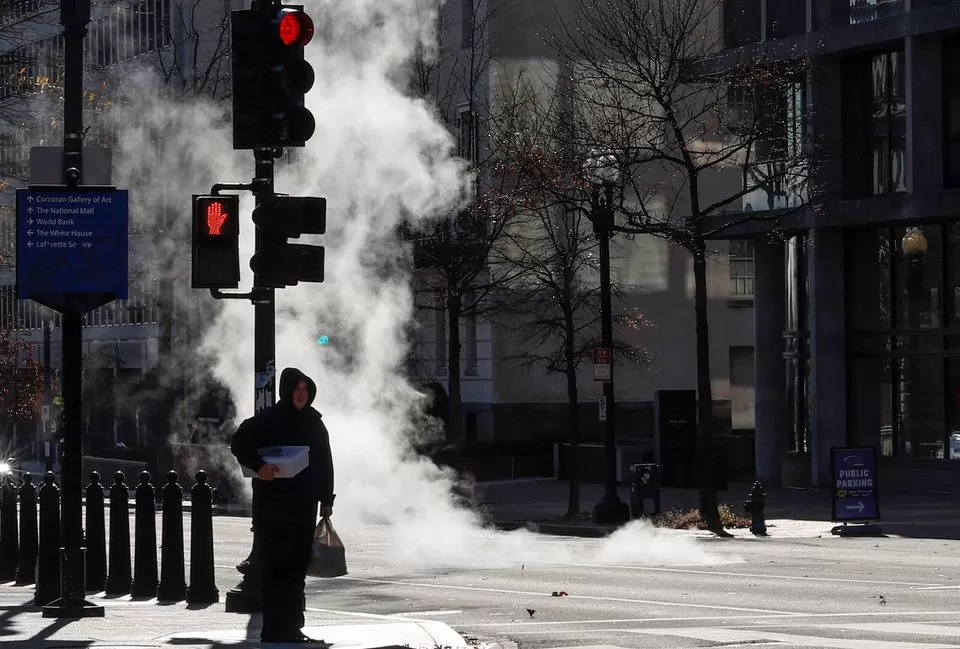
{"points": [[247, 71], [271, 77], [216, 242], [278, 263]]}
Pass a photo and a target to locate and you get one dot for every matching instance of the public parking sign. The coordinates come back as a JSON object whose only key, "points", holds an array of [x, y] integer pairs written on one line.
{"points": [[854, 472], [71, 242]]}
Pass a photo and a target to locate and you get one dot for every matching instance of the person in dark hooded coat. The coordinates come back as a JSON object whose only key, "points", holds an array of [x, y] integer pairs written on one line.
{"points": [[285, 509]]}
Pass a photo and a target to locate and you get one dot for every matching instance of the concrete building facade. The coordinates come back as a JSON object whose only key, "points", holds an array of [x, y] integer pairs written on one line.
{"points": [[504, 401]]}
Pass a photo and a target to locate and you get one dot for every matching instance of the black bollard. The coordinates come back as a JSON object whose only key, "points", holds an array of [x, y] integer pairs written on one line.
{"points": [[96, 536], [145, 539], [173, 585], [48, 553], [755, 505], [118, 578], [27, 566], [9, 544], [203, 587]]}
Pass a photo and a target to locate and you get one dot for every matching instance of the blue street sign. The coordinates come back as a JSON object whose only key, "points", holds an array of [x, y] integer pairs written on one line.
{"points": [[71, 242], [854, 472]]}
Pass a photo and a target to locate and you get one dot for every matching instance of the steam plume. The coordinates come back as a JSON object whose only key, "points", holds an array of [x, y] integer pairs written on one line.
{"points": [[378, 156]]}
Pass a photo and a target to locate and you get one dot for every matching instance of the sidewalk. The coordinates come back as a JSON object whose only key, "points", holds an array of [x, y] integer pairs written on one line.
{"points": [[539, 504], [145, 624]]}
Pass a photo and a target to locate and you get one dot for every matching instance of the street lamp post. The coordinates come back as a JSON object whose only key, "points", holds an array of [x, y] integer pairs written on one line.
{"points": [[914, 245], [603, 174]]}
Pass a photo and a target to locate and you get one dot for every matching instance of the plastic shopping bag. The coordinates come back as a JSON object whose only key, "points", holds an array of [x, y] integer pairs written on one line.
{"points": [[329, 557]]}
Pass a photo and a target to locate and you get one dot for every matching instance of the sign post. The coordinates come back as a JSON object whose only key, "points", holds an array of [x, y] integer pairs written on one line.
{"points": [[854, 491]]}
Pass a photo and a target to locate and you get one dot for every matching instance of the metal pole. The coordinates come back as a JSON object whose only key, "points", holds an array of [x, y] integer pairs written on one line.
{"points": [[264, 308], [610, 510], [245, 598], [74, 16], [46, 442]]}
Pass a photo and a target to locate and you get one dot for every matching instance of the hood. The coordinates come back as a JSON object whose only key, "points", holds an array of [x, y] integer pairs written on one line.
{"points": [[289, 378]]}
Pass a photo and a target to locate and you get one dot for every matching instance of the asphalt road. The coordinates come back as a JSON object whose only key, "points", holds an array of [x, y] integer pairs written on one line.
{"points": [[672, 591]]}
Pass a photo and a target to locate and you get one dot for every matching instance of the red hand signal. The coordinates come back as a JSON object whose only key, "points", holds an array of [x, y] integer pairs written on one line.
{"points": [[216, 217]]}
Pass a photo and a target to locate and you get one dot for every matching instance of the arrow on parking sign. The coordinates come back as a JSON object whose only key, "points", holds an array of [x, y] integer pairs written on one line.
{"points": [[859, 507]]}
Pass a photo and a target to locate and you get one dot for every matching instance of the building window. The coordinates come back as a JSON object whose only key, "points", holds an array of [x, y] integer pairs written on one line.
{"points": [[797, 347], [467, 134], [889, 122], [741, 268], [951, 117], [905, 365], [470, 299], [874, 123], [440, 335], [741, 23], [742, 398], [785, 18], [467, 20], [862, 11]]}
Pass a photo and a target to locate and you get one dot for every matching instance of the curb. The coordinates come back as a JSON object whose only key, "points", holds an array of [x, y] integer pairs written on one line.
{"points": [[556, 529], [485, 642]]}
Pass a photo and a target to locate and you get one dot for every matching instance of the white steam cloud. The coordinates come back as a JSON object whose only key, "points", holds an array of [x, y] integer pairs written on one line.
{"points": [[377, 156]]}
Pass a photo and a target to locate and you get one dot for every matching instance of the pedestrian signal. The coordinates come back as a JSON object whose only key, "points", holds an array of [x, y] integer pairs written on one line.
{"points": [[216, 242]]}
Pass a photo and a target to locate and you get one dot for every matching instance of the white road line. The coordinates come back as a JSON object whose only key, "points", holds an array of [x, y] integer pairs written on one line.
{"points": [[703, 618], [759, 576], [936, 588], [412, 584], [904, 628], [369, 616], [731, 636], [415, 614]]}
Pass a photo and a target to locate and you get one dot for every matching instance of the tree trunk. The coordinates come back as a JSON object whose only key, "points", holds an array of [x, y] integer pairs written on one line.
{"points": [[709, 510], [454, 431], [573, 407]]}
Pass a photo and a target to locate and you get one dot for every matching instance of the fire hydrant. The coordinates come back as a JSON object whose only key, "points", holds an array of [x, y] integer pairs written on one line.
{"points": [[755, 505]]}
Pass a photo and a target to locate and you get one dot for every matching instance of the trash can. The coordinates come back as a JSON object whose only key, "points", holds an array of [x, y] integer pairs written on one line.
{"points": [[646, 486]]}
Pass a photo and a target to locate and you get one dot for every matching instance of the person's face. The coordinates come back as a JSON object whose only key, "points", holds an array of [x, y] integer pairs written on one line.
{"points": [[300, 395]]}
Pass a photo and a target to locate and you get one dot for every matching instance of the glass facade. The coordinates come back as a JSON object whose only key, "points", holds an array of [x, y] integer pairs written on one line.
{"points": [[874, 112], [797, 353], [903, 296], [951, 111], [862, 11]]}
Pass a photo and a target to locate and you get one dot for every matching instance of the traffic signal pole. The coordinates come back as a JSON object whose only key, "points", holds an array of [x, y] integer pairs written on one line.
{"points": [[245, 598], [264, 306], [271, 78]]}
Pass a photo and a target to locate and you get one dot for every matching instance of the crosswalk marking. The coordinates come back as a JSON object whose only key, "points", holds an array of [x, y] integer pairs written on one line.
{"points": [[755, 636]]}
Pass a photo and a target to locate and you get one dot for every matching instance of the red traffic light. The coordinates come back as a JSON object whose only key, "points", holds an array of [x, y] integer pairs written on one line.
{"points": [[295, 28], [216, 217]]}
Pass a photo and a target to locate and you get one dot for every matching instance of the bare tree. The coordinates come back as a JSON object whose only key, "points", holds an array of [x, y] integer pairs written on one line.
{"points": [[197, 63], [552, 299], [677, 140], [453, 256]]}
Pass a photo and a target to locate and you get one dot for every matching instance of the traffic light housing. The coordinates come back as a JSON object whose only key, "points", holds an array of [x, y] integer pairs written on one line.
{"points": [[271, 77], [278, 263], [216, 242]]}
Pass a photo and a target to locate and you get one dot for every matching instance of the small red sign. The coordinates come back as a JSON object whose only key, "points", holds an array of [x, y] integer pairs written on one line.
{"points": [[601, 356]]}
